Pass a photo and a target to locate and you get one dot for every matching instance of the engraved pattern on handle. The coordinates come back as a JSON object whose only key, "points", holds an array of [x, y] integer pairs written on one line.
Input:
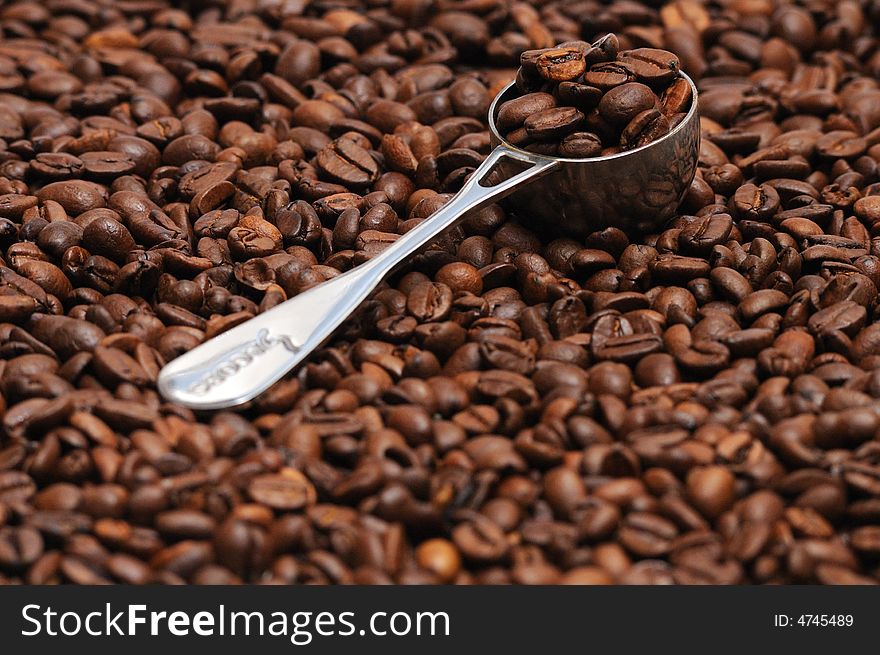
{"points": [[241, 363]]}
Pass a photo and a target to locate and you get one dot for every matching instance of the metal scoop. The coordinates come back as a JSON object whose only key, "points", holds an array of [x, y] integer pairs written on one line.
{"points": [[633, 190]]}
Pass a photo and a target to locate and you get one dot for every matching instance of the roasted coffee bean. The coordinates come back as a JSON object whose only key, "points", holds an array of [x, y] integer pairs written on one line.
{"points": [[552, 123], [560, 64], [647, 535], [347, 162], [19, 547], [15, 486], [651, 65], [703, 234], [623, 103], [75, 196], [645, 127], [107, 164], [582, 96], [109, 238], [429, 301], [580, 145], [755, 202], [287, 490], [480, 540], [57, 165], [440, 557], [676, 98], [606, 76], [254, 237], [513, 113], [712, 489]]}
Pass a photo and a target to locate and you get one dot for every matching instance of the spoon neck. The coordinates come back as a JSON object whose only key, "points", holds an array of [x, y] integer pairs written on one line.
{"points": [[474, 195]]}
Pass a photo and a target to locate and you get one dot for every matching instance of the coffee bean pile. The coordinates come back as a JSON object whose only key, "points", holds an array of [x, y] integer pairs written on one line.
{"points": [[587, 101], [698, 404]]}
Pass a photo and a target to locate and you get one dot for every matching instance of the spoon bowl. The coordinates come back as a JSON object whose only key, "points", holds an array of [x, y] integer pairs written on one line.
{"points": [[635, 190]]}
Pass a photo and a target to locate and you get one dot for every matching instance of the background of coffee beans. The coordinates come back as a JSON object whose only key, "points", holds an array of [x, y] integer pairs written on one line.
{"points": [[695, 405]]}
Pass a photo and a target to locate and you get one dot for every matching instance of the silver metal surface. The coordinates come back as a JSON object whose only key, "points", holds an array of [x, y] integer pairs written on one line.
{"points": [[632, 190], [636, 191]]}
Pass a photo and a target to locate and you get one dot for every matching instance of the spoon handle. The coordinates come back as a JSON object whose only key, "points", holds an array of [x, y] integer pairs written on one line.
{"points": [[241, 363]]}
